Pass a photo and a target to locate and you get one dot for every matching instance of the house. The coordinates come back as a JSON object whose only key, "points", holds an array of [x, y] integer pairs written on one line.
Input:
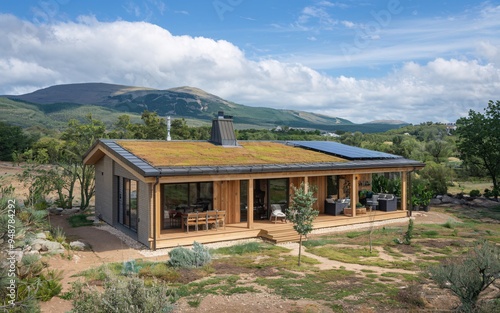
{"points": [[148, 188]]}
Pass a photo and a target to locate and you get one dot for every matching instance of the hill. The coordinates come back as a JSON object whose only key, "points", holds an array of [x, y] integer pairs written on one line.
{"points": [[62, 102]]}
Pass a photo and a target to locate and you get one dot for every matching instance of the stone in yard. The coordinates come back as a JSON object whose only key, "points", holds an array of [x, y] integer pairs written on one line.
{"points": [[435, 202], [77, 245], [41, 236], [46, 245], [484, 203]]}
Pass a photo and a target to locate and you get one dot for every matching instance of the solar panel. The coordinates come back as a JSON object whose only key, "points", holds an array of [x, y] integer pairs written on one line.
{"points": [[343, 151]]}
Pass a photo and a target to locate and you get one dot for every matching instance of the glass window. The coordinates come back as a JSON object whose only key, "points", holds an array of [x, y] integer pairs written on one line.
{"points": [[278, 191], [127, 202], [184, 198], [332, 186]]}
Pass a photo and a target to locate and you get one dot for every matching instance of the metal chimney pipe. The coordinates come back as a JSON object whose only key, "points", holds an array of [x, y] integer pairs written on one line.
{"points": [[168, 129]]}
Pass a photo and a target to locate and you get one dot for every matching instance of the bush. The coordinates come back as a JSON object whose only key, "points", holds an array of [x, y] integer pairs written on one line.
{"points": [[130, 268], [121, 295], [468, 276], [412, 295], [78, 220], [58, 234], [475, 193], [185, 258]]}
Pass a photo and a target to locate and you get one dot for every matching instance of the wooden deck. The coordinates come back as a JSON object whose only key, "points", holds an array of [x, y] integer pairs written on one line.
{"points": [[273, 232]]}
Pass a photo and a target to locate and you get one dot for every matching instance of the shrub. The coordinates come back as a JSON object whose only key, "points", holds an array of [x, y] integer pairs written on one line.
{"points": [[412, 295], [130, 268], [121, 295], [475, 193], [78, 220], [468, 276], [409, 233], [183, 257], [58, 234]]}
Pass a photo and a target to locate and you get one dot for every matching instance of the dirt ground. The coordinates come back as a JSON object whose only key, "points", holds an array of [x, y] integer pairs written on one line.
{"points": [[107, 248]]}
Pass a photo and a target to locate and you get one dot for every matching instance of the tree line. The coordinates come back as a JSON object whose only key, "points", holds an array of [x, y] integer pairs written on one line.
{"points": [[472, 150]]}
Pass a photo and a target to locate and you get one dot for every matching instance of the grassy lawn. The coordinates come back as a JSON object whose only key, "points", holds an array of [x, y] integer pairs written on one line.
{"points": [[260, 267]]}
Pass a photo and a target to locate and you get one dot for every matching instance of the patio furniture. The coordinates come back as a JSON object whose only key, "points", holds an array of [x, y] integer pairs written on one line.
{"points": [[336, 207], [277, 212], [387, 202]]}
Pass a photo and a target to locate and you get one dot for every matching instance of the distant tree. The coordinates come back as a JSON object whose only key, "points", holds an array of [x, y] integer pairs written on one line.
{"points": [[301, 212], [79, 137], [438, 149], [352, 139], [180, 129], [13, 139], [479, 141]]}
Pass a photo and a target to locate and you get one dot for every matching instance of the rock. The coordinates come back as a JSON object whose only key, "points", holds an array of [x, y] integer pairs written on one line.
{"points": [[77, 245], [435, 201], [41, 236], [35, 252], [18, 254], [447, 199], [36, 247], [53, 247], [484, 203], [71, 211], [46, 245]]}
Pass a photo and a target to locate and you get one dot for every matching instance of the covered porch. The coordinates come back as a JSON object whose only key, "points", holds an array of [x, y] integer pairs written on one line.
{"points": [[275, 232]]}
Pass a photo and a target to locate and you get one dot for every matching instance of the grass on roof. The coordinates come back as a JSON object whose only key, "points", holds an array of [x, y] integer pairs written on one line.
{"points": [[178, 153]]}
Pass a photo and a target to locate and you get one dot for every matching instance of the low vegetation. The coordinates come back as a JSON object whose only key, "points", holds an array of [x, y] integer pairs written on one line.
{"points": [[403, 273]]}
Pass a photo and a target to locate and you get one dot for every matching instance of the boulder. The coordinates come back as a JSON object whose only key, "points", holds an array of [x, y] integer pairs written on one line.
{"points": [[18, 254], [77, 245], [484, 203], [47, 246], [435, 201], [447, 199], [41, 236]]}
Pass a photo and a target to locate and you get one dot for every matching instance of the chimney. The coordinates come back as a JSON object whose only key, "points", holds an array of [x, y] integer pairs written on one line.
{"points": [[223, 131]]}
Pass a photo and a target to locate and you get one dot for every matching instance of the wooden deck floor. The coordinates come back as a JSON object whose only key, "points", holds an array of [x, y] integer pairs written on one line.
{"points": [[274, 232]]}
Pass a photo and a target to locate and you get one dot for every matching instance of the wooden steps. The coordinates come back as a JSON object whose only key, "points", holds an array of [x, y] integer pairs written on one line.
{"points": [[279, 234]]}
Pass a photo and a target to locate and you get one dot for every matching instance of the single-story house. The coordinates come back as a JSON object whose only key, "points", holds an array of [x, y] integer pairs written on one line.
{"points": [[149, 188]]}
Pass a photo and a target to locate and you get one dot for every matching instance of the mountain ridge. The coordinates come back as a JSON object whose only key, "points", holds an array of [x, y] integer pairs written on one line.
{"points": [[185, 101]]}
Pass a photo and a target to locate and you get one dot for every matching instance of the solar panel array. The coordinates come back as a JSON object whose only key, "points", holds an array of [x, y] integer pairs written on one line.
{"points": [[343, 151]]}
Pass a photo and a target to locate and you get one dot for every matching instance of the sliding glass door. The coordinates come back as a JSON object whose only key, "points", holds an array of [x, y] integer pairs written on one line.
{"points": [[127, 202]]}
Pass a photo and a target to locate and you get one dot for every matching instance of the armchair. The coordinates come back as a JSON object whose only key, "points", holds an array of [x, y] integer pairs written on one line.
{"points": [[277, 212], [335, 208]]}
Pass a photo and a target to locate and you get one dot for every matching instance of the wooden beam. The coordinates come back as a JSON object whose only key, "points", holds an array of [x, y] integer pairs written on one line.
{"points": [[404, 191], [250, 204], [353, 193], [157, 212]]}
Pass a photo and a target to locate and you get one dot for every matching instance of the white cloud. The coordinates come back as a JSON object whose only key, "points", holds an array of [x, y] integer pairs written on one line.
{"points": [[143, 54]]}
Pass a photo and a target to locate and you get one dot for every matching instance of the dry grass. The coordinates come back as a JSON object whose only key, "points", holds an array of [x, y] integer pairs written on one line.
{"points": [[176, 153]]}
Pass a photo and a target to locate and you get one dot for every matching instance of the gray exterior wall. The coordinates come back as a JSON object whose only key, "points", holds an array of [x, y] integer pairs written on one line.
{"points": [[105, 190], [143, 204]]}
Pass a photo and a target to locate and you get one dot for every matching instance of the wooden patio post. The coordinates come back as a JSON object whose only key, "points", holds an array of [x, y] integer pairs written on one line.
{"points": [[250, 204], [353, 193], [404, 191], [157, 212]]}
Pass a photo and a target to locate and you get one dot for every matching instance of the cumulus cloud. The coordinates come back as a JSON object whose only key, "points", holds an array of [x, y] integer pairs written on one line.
{"points": [[143, 54]]}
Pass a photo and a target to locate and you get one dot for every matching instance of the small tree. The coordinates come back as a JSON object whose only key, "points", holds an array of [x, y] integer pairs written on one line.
{"points": [[301, 212], [468, 276]]}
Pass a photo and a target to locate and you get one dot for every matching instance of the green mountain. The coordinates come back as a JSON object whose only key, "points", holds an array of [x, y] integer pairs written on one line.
{"points": [[107, 101]]}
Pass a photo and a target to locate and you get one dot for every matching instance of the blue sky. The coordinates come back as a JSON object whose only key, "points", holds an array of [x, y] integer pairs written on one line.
{"points": [[411, 60]]}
